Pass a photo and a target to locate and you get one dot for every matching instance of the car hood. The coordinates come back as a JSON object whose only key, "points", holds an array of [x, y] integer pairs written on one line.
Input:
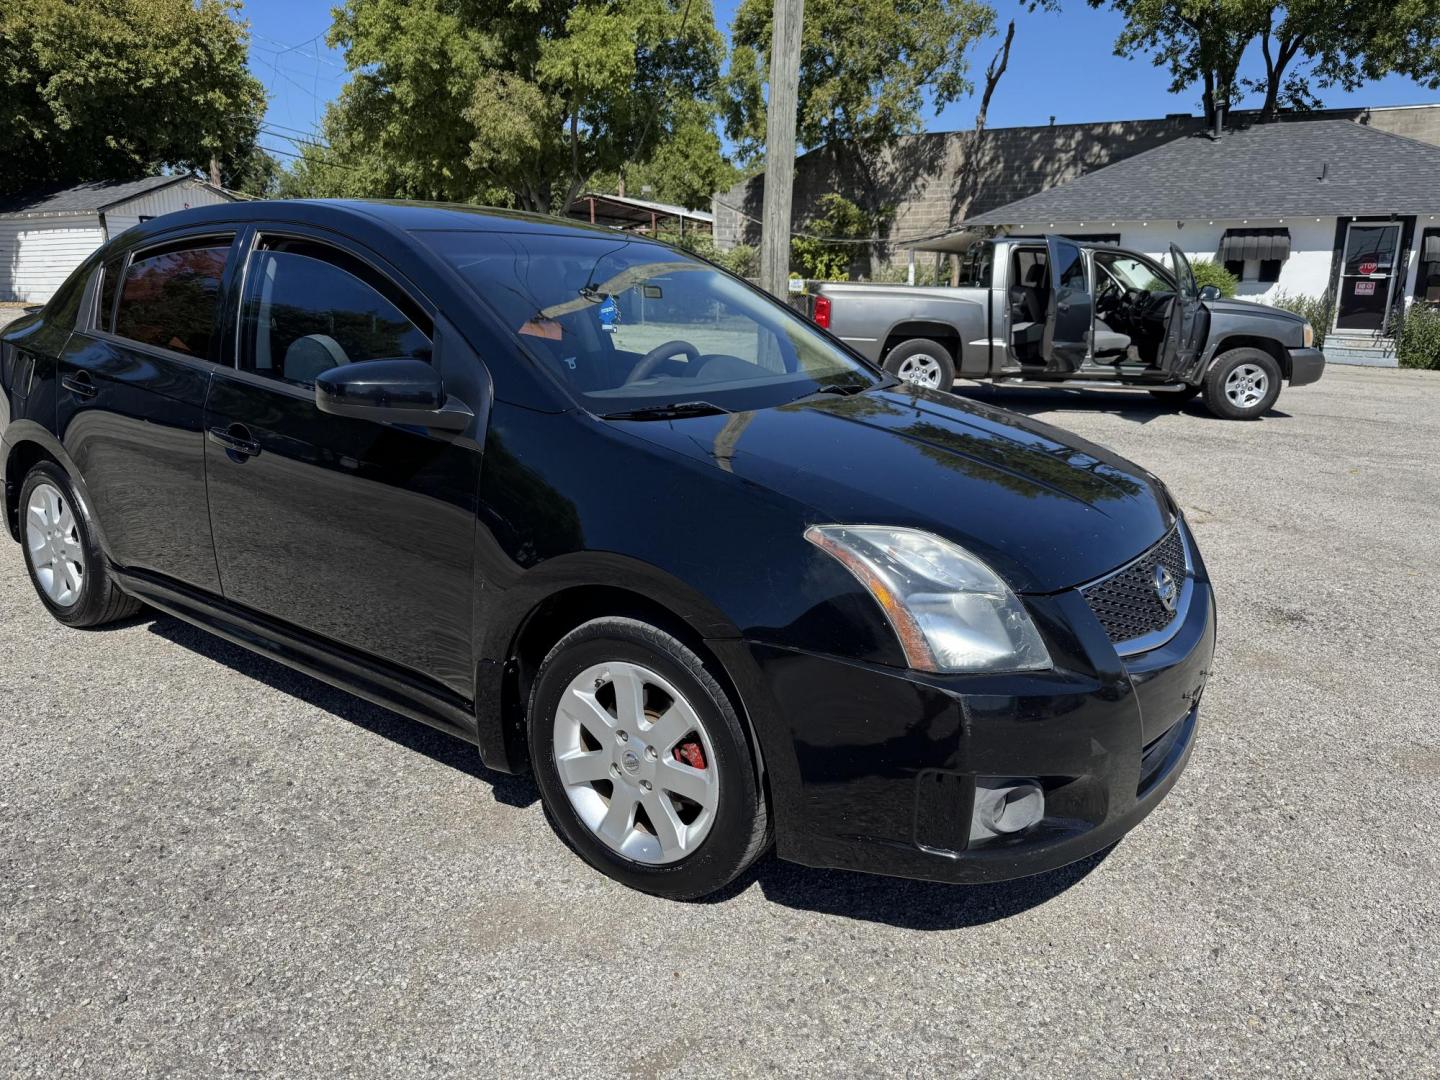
{"points": [[1044, 508], [1249, 307]]}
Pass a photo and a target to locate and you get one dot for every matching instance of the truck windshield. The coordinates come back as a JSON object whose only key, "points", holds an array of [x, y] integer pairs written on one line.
{"points": [[629, 325]]}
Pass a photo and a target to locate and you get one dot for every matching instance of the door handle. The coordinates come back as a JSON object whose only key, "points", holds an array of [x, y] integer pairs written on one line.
{"points": [[80, 384], [236, 440]]}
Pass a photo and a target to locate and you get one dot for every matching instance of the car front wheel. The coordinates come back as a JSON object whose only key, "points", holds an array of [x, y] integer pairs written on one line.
{"points": [[1242, 384], [642, 763]]}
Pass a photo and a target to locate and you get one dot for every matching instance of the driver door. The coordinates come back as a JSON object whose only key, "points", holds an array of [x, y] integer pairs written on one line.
{"points": [[1070, 310], [1186, 323]]}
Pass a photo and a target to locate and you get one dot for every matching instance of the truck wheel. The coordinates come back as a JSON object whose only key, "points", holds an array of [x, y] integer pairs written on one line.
{"points": [[1242, 384], [922, 362]]}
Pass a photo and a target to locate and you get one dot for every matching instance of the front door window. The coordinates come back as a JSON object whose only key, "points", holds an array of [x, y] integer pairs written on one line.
{"points": [[1367, 276]]}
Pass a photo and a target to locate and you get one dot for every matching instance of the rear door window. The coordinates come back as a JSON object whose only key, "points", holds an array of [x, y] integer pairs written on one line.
{"points": [[309, 307], [170, 296]]}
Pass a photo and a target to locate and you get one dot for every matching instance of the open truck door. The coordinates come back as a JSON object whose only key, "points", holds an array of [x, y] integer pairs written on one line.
{"points": [[1070, 310], [1185, 324]]}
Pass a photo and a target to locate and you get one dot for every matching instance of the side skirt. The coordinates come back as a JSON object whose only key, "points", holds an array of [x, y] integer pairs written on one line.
{"points": [[373, 679]]}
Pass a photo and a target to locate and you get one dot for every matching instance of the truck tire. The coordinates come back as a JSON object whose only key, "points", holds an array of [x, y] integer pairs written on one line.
{"points": [[1242, 384], [922, 362]]}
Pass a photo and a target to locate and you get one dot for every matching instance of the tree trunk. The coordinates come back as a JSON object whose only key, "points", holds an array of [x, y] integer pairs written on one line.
{"points": [[967, 183]]}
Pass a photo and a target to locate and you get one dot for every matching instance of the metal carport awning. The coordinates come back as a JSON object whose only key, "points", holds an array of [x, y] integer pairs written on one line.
{"points": [[1239, 244]]}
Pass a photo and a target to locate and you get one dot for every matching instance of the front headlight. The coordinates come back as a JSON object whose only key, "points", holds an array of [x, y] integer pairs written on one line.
{"points": [[950, 611], [1309, 333]]}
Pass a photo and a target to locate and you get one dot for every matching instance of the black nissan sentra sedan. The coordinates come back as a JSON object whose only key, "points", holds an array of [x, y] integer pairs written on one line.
{"points": [[613, 515]]}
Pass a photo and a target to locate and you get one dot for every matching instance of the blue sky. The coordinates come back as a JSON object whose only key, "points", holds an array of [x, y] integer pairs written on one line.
{"points": [[1061, 65]]}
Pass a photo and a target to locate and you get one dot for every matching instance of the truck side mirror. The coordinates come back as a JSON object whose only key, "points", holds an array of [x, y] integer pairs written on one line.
{"points": [[1209, 292]]}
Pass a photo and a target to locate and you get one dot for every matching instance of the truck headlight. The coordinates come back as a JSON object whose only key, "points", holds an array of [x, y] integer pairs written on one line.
{"points": [[1309, 333], [950, 611]]}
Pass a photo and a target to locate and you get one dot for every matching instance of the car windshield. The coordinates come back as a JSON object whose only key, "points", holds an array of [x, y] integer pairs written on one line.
{"points": [[629, 325]]}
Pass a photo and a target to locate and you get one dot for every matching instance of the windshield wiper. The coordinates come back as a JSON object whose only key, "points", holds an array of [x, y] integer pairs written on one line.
{"points": [[843, 389], [669, 411]]}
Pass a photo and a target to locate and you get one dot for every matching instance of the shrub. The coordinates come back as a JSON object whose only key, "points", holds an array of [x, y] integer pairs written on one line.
{"points": [[1209, 272], [826, 249], [1419, 338], [1318, 310], [742, 259]]}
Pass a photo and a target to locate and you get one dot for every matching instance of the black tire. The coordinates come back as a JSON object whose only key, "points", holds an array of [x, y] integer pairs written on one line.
{"points": [[918, 348], [1178, 394], [98, 601], [739, 832], [1218, 387]]}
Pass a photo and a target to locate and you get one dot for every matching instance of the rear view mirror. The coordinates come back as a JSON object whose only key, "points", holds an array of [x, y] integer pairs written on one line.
{"points": [[1209, 292], [404, 391]]}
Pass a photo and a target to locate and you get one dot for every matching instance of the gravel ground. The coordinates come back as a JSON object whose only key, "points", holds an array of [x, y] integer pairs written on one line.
{"points": [[211, 866]]}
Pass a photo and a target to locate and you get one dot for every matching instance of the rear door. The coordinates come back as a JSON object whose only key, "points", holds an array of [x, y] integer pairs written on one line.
{"points": [[360, 532], [130, 404], [1070, 309], [1185, 324]]}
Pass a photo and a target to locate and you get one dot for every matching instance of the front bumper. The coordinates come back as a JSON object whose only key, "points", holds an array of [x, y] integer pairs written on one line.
{"points": [[1306, 366], [874, 769]]}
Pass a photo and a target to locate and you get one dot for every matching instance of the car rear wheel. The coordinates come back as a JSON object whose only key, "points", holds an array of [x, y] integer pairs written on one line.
{"points": [[1242, 384], [922, 362], [642, 762], [66, 565]]}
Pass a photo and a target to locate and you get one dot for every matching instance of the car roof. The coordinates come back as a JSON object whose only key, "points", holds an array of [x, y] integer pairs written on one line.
{"points": [[369, 215]]}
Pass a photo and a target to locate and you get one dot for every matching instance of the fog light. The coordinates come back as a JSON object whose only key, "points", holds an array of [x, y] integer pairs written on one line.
{"points": [[1005, 806]]}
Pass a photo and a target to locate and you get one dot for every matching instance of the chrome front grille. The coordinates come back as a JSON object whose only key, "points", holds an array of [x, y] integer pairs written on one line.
{"points": [[1128, 604]]}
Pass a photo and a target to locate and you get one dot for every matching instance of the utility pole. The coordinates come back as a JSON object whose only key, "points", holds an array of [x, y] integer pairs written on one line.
{"points": [[780, 145]]}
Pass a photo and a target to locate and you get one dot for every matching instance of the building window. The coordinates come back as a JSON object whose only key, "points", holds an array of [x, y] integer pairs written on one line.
{"points": [[1270, 270], [1236, 267]]}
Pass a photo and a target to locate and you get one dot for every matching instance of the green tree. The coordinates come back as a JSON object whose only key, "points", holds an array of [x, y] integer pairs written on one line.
{"points": [[523, 101], [118, 89], [867, 67], [1304, 45], [687, 166], [820, 251]]}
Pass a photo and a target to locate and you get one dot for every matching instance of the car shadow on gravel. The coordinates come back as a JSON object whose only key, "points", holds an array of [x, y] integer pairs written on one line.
{"points": [[909, 905], [1139, 407], [411, 734]]}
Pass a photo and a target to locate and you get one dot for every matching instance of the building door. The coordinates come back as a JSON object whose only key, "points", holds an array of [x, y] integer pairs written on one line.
{"points": [[1367, 275]]}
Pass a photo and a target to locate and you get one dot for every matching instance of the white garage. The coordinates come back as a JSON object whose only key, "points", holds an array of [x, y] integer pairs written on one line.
{"points": [[45, 235]]}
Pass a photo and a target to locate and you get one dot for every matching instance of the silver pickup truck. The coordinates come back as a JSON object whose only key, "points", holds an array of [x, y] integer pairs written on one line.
{"points": [[1055, 310]]}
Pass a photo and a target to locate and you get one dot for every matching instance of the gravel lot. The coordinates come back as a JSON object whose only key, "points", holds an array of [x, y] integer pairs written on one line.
{"points": [[211, 866]]}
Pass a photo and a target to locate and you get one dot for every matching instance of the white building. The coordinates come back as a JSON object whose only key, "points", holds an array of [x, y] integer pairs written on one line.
{"points": [[45, 235], [1322, 208]]}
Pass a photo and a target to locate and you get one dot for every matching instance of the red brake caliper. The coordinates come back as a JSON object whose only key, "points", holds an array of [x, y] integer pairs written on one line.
{"points": [[689, 753]]}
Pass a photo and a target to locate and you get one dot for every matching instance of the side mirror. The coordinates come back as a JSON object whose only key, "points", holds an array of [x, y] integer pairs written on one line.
{"points": [[390, 391], [1209, 292]]}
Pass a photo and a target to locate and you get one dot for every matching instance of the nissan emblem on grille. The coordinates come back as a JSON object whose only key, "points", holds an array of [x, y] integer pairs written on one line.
{"points": [[1166, 589], [1144, 597]]}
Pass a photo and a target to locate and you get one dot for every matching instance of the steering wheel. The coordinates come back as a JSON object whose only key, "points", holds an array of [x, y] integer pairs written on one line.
{"points": [[1132, 305], [652, 359]]}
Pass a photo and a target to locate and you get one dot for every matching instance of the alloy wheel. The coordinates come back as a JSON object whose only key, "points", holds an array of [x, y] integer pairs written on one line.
{"points": [[636, 762], [1246, 385], [53, 539], [921, 370]]}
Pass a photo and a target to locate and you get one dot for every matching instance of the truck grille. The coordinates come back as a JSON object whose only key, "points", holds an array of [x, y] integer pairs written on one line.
{"points": [[1126, 602]]}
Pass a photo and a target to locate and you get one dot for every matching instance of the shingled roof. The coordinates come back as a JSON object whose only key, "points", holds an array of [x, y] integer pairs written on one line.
{"points": [[83, 198], [1293, 168]]}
